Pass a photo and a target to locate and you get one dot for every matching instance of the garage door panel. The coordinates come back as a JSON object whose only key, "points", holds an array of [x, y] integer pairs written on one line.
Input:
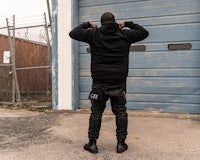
{"points": [[150, 47], [153, 85], [161, 98], [163, 46], [166, 20], [164, 90], [167, 107], [157, 21], [140, 9], [162, 82], [175, 32], [185, 72], [83, 3], [164, 59], [159, 78]]}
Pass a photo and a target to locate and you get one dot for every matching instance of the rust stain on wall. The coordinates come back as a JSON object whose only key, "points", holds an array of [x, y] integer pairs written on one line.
{"points": [[28, 54]]}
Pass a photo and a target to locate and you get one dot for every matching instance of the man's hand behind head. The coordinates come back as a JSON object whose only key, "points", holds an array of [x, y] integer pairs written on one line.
{"points": [[93, 25], [122, 25]]}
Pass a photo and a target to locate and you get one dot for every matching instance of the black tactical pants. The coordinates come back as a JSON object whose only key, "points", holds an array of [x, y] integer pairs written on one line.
{"points": [[99, 95]]}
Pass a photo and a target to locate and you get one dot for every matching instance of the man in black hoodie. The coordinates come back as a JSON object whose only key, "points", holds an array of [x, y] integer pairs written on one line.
{"points": [[109, 46]]}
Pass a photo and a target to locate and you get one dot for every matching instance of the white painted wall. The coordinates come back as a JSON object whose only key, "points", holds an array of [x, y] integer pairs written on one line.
{"points": [[64, 55]]}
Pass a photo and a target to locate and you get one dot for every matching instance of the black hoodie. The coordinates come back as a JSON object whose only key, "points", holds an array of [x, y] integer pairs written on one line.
{"points": [[109, 46]]}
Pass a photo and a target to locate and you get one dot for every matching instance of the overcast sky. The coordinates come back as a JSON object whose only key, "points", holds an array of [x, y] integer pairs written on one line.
{"points": [[27, 13], [21, 8]]}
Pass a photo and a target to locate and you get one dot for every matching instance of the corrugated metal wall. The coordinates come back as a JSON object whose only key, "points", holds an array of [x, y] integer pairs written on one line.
{"points": [[28, 54], [159, 78]]}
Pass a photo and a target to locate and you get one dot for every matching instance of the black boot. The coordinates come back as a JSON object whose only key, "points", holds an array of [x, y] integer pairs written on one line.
{"points": [[121, 146], [91, 146]]}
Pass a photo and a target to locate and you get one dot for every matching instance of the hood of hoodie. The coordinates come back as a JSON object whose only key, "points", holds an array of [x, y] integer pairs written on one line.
{"points": [[109, 27]]}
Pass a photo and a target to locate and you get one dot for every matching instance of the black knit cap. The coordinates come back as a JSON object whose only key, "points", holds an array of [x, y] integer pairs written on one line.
{"points": [[107, 17]]}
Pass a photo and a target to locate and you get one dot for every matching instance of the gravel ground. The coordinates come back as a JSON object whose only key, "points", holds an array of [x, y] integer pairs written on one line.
{"points": [[60, 135]]}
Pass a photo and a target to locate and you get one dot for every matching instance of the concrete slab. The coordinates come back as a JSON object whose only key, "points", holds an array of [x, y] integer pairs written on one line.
{"points": [[60, 135]]}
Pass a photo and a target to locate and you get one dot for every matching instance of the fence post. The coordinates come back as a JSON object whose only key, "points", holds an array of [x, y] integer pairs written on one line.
{"points": [[48, 53], [15, 85], [49, 13]]}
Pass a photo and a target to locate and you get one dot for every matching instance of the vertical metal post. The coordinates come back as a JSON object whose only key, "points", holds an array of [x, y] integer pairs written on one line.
{"points": [[11, 51], [15, 85], [54, 54], [48, 54], [49, 13], [18, 96]]}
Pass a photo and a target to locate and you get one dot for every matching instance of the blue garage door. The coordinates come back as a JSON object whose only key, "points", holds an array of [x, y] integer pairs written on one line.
{"points": [[166, 76]]}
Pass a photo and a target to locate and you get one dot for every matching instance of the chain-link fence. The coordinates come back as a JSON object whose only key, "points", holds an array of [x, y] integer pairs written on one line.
{"points": [[25, 61]]}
